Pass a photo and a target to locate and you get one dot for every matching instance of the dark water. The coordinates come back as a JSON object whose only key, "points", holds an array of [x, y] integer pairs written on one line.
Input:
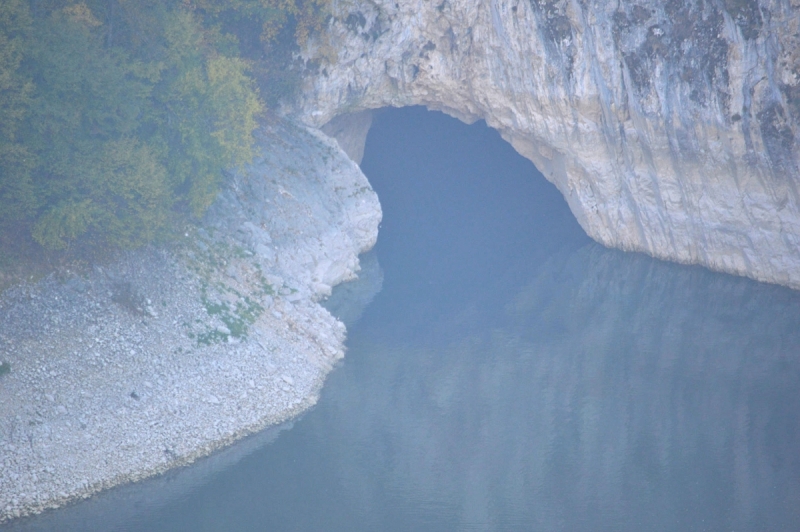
{"points": [[512, 375]]}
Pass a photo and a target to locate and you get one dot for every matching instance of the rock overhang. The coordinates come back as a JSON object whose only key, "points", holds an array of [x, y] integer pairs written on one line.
{"points": [[670, 127]]}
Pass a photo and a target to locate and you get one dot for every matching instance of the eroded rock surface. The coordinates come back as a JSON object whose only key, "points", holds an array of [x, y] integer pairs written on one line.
{"points": [[671, 126]]}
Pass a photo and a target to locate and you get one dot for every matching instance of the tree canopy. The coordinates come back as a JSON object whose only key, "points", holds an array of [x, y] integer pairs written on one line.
{"points": [[117, 117]]}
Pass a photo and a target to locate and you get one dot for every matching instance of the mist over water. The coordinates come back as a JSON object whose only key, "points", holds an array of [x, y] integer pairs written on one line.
{"points": [[513, 375]]}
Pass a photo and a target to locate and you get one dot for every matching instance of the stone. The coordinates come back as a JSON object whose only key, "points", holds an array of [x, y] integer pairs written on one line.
{"points": [[294, 297], [350, 131], [671, 128], [265, 251], [337, 220]]}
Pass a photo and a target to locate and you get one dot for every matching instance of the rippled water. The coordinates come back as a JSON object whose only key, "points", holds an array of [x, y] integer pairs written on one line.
{"points": [[512, 375]]}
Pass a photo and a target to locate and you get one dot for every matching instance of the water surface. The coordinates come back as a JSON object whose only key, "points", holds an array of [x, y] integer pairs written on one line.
{"points": [[513, 375]]}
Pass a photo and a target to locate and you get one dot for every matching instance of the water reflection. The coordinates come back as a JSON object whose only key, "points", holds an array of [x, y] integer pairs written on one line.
{"points": [[622, 394], [510, 376]]}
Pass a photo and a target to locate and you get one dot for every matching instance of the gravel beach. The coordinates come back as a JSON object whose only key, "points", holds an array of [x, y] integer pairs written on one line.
{"points": [[166, 354]]}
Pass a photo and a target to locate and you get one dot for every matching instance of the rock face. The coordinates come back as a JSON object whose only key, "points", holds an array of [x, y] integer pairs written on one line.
{"points": [[671, 126]]}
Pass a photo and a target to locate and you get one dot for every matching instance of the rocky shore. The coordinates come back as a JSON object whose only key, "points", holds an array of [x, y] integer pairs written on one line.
{"points": [[166, 354]]}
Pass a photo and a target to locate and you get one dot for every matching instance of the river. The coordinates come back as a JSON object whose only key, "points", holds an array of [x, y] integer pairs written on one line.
{"points": [[511, 375]]}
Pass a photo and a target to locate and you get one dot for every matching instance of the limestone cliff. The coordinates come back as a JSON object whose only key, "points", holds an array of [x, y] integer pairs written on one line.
{"points": [[671, 126]]}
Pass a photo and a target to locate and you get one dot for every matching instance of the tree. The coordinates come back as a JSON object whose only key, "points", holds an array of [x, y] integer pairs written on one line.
{"points": [[17, 197], [118, 117], [206, 109], [87, 103]]}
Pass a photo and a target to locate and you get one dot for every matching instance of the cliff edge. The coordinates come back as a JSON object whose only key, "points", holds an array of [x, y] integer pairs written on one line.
{"points": [[671, 127]]}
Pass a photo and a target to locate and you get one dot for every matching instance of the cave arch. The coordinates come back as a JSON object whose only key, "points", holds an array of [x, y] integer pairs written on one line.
{"points": [[651, 153]]}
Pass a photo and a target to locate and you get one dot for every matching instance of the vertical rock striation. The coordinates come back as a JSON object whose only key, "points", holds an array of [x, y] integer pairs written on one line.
{"points": [[671, 126]]}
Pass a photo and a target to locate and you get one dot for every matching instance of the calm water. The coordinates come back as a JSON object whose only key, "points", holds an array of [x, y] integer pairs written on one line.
{"points": [[512, 375]]}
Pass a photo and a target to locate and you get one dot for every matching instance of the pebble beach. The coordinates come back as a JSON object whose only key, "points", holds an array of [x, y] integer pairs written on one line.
{"points": [[166, 354]]}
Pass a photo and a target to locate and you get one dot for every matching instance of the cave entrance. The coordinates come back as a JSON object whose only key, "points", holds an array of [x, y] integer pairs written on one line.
{"points": [[463, 211]]}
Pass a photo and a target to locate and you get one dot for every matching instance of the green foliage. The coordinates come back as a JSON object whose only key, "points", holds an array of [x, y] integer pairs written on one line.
{"points": [[131, 197], [302, 17], [207, 112], [269, 32], [62, 223], [17, 195], [118, 116], [237, 320], [84, 127], [5, 367]]}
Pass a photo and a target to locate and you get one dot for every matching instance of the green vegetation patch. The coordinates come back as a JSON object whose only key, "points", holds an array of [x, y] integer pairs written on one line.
{"points": [[237, 318], [118, 118], [5, 367]]}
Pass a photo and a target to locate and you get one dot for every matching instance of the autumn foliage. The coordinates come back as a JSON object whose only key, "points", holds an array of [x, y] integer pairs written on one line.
{"points": [[118, 117]]}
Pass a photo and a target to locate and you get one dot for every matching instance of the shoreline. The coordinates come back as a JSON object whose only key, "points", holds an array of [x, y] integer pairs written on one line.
{"points": [[164, 356]]}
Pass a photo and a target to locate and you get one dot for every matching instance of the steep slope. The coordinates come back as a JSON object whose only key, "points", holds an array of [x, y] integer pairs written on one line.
{"points": [[670, 126]]}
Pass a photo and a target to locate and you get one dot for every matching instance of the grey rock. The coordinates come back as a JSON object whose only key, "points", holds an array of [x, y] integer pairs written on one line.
{"points": [[99, 418], [671, 128], [265, 252]]}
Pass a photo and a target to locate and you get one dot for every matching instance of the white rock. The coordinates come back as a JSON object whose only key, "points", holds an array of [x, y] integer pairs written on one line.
{"points": [[131, 436], [648, 160]]}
